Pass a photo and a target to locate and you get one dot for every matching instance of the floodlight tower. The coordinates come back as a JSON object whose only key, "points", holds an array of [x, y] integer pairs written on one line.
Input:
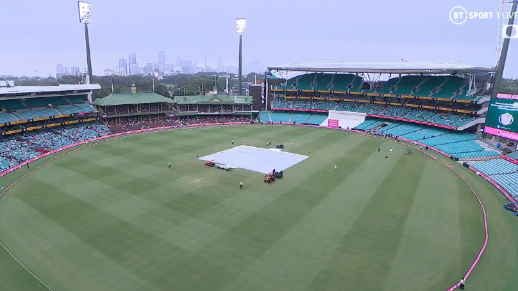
{"points": [[507, 31], [240, 29], [85, 17]]}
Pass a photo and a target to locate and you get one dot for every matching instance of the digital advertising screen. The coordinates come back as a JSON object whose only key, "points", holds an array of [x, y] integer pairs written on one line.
{"points": [[502, 117]]}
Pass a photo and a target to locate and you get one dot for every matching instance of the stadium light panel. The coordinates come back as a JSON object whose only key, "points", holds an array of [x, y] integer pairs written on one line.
{"points": [[85, 12], [240, 26]]}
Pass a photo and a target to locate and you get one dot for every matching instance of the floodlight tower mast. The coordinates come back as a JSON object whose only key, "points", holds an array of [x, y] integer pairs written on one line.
{"points": [[240, 29], [507, 31]]}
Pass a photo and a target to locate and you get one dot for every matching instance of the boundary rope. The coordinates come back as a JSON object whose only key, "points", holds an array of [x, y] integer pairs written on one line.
{"points": [[468, 273], [477, 259]]}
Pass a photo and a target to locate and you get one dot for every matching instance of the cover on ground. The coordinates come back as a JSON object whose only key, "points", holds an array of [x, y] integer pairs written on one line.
{"points": [[256, 159], [347, 119]]}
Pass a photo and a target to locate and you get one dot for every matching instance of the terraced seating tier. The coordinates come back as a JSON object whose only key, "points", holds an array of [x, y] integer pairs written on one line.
{"points": [[305, 82], [342, 81], [6, 117], [509, 182], [280, 117], [76, 99], [496, 166], [75, 109], [36, 113], [16, 150], [264, 116], [317, 119], [513, 156], [300, 117], [323, 82], [448, 119], [12, 105], [448, 138]]}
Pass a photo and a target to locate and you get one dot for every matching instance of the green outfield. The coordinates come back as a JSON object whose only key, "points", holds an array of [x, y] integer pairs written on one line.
{"points": [[114, 217]]}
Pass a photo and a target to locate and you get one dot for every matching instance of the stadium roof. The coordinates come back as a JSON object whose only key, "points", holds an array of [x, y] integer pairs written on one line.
{"points": [[130, 99], [373, 67], [213, 99], [45, 89]]}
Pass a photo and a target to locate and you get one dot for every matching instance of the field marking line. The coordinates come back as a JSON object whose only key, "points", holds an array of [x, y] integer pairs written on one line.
{"points": [[27, 174], [23, 266], [481, 252]]}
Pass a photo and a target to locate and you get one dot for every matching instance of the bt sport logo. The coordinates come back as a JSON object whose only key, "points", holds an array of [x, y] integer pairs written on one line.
{"points": [[460, 15]]}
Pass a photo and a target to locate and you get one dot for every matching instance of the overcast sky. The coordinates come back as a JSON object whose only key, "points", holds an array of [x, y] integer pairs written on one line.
{"points": [[37, 35]]}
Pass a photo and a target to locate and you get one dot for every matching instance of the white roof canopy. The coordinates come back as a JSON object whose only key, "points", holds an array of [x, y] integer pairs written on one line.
{"points": [[394, 68], [48, 89]]}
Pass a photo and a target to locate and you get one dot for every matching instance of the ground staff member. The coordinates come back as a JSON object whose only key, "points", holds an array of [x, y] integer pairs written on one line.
{"points": [[462, 284]]}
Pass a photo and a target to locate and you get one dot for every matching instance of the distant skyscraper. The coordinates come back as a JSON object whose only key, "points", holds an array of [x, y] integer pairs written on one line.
{"points": [[179, 62], [123, 64], [133, 66], [187, 66], [148, 69], [132, 59], [66, 71], [59, 68], [221, 67], [134, 69], [74, 71], [161, 58]]}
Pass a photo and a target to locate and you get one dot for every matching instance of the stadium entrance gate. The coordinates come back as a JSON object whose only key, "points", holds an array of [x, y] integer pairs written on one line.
{"points": [[343, 119]]}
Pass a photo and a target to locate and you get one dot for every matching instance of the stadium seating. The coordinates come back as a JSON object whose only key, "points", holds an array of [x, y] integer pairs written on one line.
{"points": [[448, 138], [76, 99], [12, 105], [343, 82], [44, 102], [300, 117], [406, 84], [323, 82], [317, 118], [509, 182], [305, 82], [366, 124], [428, 86], [496, 166], [451, 85], [448, 87], [448, 119], [264, 116], [280, 117], [6, 117], [76, 109], [513, 156], [425, 133], [16, 150], [36, 113]]}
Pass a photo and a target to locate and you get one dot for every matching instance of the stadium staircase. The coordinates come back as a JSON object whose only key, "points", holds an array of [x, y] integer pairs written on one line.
{"points": [[323, 81], [471, 123]]}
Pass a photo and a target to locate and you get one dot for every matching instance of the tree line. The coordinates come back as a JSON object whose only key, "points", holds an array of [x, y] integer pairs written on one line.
{"points": [[192, 84]]}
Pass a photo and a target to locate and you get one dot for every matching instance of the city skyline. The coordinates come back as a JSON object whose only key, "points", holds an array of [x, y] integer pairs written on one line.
{"points": [[350, 32]]}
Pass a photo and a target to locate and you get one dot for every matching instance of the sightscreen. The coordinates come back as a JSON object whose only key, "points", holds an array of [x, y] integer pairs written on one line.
{"points": [[502, 117]]}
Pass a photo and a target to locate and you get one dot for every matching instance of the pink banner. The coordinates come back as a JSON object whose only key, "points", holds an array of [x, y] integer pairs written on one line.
{"points": [[301, 110], [507, 96], [509, 159], [332, 123], [372, 115], [502, 133]]}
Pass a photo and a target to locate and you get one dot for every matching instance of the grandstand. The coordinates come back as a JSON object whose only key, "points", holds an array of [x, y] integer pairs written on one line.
{"points": [[36, 119], [447, 95]]}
